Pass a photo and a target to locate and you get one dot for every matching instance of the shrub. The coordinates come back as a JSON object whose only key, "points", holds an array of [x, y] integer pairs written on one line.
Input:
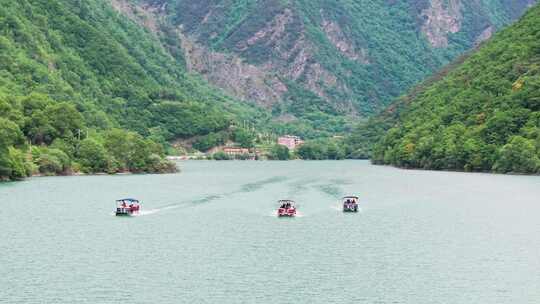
{"points": [[279, 152], [93, 156], [220, 155]]}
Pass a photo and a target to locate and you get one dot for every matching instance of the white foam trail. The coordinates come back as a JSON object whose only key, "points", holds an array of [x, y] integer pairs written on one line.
{"points": [[274, 214], [169, 207], [299, 214], [147, 212], [337, 208]]}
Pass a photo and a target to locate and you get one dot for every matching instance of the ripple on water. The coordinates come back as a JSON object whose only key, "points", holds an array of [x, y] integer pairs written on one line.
{"points": [[250, 187]]}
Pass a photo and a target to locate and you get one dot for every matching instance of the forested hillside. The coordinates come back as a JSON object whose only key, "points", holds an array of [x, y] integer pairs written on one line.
{"points": [[483, 116], [105, 85], [84, 88], [318, 59]]}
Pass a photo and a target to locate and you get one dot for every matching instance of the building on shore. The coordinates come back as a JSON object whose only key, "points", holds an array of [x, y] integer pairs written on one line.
{"points": [[290, 141], [234, 151]]}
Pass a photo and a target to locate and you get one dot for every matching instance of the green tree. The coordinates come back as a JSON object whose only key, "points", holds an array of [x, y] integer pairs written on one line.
{"points": [[311, 151], [518, 155], [220, 155], [279, 152], [119, 145], [64, 119], [10, 134], [210, 141], [244, 138], [12, 165], [140, 154], [17, 165], [334, 151], [93, 156]]}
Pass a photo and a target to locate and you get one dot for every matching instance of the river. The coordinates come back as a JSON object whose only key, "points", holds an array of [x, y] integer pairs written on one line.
{"points": [[209, 235]]}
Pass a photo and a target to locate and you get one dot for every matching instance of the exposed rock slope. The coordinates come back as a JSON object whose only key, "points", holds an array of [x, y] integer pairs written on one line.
{"points": [[348, 56]]}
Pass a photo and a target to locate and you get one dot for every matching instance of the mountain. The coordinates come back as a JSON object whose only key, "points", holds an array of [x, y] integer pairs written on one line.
{"points": [[483, 115], [105, 85], [70, 71], [301, 58]]}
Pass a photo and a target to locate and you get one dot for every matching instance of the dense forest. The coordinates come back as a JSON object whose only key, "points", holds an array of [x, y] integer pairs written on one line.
{"points": [[82, 88], [484, 115]]}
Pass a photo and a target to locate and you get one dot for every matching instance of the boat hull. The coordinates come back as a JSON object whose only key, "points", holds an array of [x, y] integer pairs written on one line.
{"points": [[124, 214], [286, 213], [350, 209]]}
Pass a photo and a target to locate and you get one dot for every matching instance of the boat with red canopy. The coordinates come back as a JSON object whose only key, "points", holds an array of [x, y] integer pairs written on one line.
{"points": [[127, 207], [287, 208]]}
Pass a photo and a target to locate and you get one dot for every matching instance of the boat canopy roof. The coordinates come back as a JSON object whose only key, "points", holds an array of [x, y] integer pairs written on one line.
{"points": [[286, 201], [128, 200], [349, 197]]}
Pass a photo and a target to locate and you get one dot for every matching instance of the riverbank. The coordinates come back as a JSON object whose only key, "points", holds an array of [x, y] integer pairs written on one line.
{"points": [[172, 171], [453, 170], [170, 168]]}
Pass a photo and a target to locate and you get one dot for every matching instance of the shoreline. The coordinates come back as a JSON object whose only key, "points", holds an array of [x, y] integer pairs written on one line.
{"points": [[456, 171], [73, 174], [93, 174]]}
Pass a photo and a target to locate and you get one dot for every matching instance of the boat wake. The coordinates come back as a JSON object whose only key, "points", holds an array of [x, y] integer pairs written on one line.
{"points": [[251, 187], [298, 214], [246, 188], [329, 189], [148, 212], [336, 208]]}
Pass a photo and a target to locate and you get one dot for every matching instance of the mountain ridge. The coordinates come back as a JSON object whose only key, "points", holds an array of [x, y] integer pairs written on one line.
{"points": [[352, 57]]}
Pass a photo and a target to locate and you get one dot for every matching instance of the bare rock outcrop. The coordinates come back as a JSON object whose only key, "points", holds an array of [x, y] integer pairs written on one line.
{"points": [[336, 36], [231, 73], [442, 18]]}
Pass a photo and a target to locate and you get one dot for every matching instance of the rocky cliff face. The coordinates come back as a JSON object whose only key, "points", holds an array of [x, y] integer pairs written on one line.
{"points": [[442, 20], [348, 57]]}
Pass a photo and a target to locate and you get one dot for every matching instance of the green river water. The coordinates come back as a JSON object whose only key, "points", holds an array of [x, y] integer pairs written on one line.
{"points": [[209, 235]]}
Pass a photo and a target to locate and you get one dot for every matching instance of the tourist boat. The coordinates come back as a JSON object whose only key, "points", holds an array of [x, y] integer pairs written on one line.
{"points": [[350, 203], [127, 207], [287, 208]]}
